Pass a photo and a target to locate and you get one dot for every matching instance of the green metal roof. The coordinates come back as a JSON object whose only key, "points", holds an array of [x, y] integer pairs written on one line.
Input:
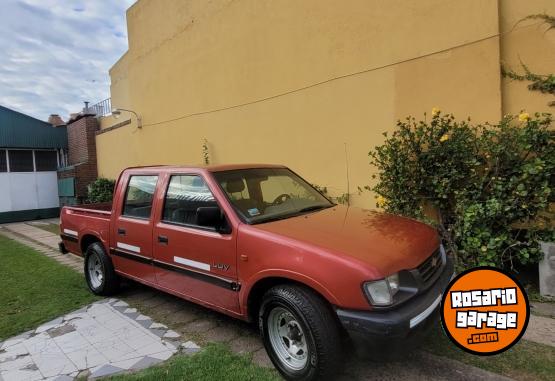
{"points": [[18, 130]]}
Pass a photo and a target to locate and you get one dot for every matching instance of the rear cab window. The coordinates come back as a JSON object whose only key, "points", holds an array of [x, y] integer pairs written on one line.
{"points": [[138, 196]]}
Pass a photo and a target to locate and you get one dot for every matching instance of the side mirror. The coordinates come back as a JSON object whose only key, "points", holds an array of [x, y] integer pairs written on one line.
{"points": [[212, 216]]}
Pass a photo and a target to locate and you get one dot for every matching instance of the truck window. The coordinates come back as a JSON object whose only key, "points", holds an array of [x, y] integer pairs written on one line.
{"points": [[138, 196], [185, 194]]}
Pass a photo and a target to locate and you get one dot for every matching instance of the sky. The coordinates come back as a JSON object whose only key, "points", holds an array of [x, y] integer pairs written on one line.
{"points": [[55, 54]]}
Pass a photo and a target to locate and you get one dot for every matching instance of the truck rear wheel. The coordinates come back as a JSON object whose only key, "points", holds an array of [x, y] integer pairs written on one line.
{"points": [[99, 271], [300, 333]]}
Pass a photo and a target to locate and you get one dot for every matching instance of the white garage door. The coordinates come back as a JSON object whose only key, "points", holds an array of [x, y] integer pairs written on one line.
{"points": [[26, 188]]}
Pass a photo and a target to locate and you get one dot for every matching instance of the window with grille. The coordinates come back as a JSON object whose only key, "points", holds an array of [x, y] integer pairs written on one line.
{"points": [[21, 160], [46, 160], [3, 161]]}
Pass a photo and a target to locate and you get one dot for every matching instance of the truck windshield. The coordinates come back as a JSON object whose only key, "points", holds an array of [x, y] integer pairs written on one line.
{"points": [[267, 194]]}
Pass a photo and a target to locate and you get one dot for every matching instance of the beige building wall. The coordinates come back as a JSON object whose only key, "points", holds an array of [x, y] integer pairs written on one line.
{"points": [[529, 43], [311, 84]]}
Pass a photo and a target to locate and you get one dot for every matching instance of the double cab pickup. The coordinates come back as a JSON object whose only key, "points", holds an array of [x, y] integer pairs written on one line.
{"points": [[259, 243]]}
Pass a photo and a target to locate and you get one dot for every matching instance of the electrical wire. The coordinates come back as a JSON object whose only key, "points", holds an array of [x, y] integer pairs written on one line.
{"points": [[357, 73]]}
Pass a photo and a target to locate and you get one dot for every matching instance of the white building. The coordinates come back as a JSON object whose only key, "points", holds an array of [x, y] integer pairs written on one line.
{"points": [[31, 151]]}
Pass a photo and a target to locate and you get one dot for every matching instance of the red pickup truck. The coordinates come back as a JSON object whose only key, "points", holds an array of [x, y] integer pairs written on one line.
{"points": [[259, 243]]}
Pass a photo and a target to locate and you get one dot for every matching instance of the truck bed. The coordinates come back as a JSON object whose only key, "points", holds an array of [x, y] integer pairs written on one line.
{"points": [[77, 222]]}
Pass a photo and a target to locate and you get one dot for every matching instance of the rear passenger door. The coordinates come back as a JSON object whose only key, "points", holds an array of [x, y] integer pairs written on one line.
{"points": [[195, 261], [131, 244]]}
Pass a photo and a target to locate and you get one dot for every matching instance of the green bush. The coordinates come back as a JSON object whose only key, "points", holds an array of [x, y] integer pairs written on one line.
{"points": [[100, 190], [486, 183]]}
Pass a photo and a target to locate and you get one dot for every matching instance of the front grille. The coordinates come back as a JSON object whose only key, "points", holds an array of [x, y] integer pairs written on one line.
{"points": [[430, 267]]}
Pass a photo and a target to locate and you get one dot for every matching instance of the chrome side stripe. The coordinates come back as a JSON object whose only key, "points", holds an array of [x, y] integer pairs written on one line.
{"points": [[125, 246], [191, 263]]}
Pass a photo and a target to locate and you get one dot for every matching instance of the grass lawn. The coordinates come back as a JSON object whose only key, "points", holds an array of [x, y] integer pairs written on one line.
{"points": [[524, 361], [35, 289], [214, 362], [51, 228]]}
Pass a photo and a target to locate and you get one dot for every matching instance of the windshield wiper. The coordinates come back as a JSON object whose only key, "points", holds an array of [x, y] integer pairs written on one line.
{"points": [[294, 214], [313, 207]]}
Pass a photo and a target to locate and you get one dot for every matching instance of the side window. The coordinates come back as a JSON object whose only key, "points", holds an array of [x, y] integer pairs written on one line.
{"points": [[46, 160], [3, 161], [138, 197], [21, 161], [186, 193]]}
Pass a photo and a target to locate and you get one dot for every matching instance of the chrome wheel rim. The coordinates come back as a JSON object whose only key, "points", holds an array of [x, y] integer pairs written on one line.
{"points": [[96, 273], [287, 338]]}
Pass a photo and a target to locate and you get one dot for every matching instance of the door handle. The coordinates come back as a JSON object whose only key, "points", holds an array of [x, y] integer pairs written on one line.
{"points": [[121, 231], [163, 239]]}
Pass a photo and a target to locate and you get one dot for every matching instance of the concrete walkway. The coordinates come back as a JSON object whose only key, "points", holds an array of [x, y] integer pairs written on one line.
{"points": [[44, 237], [199, 325], [102, 339]]}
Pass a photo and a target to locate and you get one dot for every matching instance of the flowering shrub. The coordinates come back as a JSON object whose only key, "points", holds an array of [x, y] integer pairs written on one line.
{"points": [[482, 181]]}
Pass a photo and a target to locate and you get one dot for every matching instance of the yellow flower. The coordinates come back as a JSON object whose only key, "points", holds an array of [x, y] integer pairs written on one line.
{"points": [[380, 200], [524, 117], [435, 111], [484, 249], [444, 137]]}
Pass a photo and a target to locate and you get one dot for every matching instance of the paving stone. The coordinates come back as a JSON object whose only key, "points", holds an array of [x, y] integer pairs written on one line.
{"points": [[145, 323], [106, 370], [246, 344], [190, 347], [145, 362], [158, 332], [171, 334], [16, 339], [64, 378], [158, 326], [95, 338], [163, 356], [49, 325]]}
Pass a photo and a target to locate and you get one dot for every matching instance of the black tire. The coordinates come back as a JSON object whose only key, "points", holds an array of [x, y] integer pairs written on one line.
{"points": [[319, 327], [109, 284]]}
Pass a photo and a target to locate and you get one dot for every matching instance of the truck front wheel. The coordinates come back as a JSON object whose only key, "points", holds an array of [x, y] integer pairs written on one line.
{"points": [[99, 271], [300, 333]]}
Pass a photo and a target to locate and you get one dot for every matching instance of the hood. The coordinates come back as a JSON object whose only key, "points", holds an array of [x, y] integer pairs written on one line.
{"points": [[385, 242]]}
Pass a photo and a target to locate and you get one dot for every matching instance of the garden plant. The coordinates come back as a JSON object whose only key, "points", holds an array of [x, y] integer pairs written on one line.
{"points": [[484, 186]]}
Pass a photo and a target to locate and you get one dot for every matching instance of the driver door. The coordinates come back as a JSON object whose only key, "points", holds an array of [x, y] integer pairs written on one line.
{"points": [[197, 262]]}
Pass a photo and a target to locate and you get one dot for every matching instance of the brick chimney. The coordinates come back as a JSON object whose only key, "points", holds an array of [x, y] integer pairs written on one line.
{"points": [[81, 129], [56, 121]]}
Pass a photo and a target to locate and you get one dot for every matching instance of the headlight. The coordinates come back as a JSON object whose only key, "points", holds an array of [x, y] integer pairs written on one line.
{"points": [[381, 292]]}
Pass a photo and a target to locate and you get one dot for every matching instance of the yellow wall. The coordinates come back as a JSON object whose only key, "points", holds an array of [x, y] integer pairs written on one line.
{"points": [[531, 45], [188, 59]]}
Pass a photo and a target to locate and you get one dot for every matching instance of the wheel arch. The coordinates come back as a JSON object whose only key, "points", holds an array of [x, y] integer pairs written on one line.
{"points": [[255, 293], [87, 240]]}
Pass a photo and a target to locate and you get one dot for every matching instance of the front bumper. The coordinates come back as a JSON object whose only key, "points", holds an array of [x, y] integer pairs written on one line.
{"points": [[402, 321]]}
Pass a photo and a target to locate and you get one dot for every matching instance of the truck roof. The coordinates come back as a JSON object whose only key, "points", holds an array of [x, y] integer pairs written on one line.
{"points": [[209, 168]]}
